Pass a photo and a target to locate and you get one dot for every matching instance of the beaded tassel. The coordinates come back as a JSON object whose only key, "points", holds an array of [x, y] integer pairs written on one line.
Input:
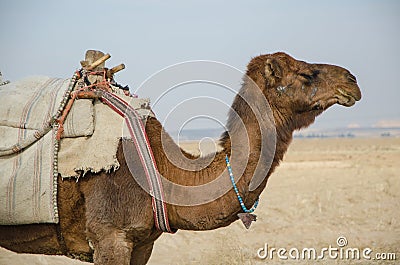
{"points": [[228, 165]]}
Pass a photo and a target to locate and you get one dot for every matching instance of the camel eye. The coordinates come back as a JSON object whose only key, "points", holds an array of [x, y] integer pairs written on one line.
{"points": [[309, 78]]}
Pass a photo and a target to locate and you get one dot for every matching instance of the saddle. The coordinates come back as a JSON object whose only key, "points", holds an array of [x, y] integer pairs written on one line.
{"points": [[52, 126]]}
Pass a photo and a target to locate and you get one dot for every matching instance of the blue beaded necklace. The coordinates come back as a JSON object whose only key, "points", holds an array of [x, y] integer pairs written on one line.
{"points": [[228, 165]]}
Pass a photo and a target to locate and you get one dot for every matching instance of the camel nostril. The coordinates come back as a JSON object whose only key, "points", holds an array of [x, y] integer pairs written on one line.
{"points": [[351, 78]]}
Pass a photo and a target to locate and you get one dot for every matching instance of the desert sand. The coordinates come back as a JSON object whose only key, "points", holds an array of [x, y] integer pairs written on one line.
{"points": [[324, 189]]}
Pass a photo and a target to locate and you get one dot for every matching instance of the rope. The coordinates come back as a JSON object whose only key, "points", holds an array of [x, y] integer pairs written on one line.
{"points": [[71, 95], [65, 112]]}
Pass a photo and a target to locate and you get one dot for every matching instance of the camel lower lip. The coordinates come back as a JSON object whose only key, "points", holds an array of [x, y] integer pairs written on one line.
{"points": [[345, 98], [347, 102]]}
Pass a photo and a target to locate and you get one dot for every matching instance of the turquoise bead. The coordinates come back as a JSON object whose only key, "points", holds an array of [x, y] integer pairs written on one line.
{"points": [[228, 165]]}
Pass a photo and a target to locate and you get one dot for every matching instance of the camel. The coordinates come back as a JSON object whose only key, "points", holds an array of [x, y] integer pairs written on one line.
{"points": [[115, 214]]}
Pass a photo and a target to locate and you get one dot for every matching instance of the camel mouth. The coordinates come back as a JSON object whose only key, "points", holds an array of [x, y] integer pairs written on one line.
{"points": [[345, 98], [342, 97]]}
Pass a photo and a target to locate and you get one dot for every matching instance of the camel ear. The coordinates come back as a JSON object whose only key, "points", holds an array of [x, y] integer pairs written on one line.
{"points": [[273, 69]]}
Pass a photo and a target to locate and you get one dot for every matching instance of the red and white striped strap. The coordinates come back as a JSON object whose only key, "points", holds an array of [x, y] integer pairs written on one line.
{"points": [[143, 153]]}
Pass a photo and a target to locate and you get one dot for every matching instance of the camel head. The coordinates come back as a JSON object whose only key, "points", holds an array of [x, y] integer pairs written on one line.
{"points": [[298, 91]]}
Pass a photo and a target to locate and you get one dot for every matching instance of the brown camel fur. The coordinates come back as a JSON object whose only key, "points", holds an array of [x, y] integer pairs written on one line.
{"points": [[115, 214]]}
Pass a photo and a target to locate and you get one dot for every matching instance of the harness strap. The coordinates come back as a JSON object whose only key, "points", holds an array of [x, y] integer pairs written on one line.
{"points": [[144, 152]]}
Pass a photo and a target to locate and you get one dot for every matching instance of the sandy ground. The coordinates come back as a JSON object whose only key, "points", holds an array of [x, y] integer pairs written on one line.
{"points": [[324, 189]]}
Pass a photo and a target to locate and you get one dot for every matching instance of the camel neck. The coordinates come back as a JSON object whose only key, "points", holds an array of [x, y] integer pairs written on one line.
{"points": [[242, 142]]}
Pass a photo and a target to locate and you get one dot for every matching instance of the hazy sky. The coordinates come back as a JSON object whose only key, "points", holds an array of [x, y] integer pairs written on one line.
{"points": [[50, 38]]}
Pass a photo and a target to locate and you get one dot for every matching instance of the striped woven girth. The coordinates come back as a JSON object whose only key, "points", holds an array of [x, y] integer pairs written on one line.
{"points": [[143, 153]]}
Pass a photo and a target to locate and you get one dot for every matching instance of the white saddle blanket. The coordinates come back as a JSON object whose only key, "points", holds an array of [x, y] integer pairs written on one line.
{"points": [[28, 185]]}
